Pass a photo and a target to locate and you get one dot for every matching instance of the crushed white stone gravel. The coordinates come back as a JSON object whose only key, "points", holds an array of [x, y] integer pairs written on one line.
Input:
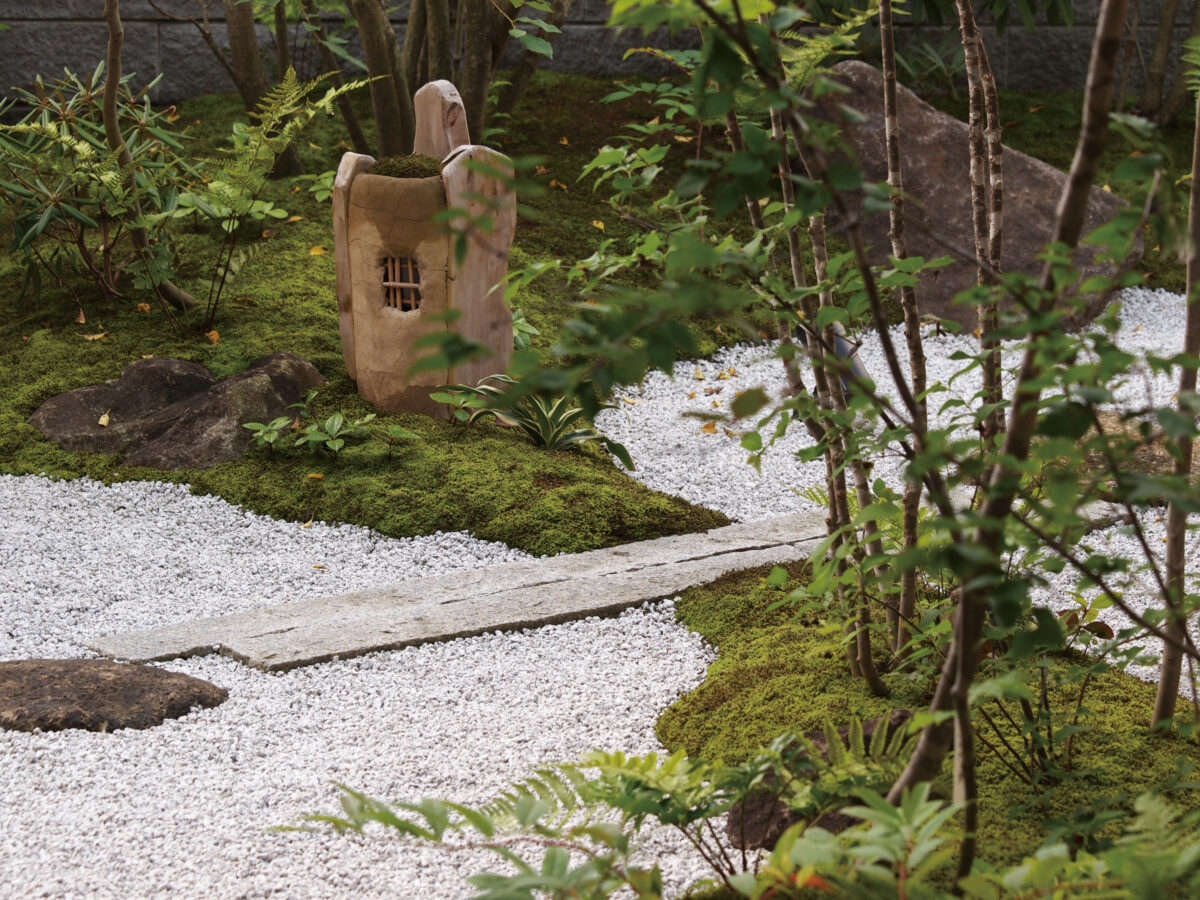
{"points": [[182, 810], [674, 455]]}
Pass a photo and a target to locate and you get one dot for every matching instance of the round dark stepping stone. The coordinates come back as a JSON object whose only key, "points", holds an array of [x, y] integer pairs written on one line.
{"points": [[96, 695]]}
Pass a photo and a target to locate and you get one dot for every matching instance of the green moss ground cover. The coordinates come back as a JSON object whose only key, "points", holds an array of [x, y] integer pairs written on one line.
{"points": [[774, 674], [483, 479], [284, 300], [781, 673]]}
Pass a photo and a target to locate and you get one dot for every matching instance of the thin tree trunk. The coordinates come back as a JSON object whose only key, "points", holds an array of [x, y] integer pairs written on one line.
{"points": [[1174, 103], [330, 64], [912, 319], [1152, 85], [966, 786], [414, 43], [167, 291], [283, 57], [861, 615], [438, 39], [475, 66], [390, 99], [244, 55], [519, 79], [1131, 33], [288, 163], [1176, 625], [983, 159], [936, 740]]}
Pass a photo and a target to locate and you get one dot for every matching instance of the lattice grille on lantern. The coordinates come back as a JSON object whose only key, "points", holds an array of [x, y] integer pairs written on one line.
{"points": [[401, 283]]}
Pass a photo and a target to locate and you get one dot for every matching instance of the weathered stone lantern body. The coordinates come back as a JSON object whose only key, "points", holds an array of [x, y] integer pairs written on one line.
{"points": [[396, 268]]}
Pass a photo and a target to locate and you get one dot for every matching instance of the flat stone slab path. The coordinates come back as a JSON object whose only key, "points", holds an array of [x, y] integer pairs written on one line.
{"points": [[492, 598]]}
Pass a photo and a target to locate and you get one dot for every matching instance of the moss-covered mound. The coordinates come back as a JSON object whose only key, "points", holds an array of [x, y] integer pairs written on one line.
{"points": [[416, 165], [777, 673]]}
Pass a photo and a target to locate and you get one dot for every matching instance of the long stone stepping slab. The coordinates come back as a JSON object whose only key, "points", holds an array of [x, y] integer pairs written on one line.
{"points": [[499, 597]]}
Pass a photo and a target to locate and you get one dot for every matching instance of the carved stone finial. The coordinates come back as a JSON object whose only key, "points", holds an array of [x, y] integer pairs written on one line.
{"points": [[441, 120]]}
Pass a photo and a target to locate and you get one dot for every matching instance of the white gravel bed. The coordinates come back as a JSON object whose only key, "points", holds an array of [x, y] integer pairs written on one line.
{"points": [[182, 810], [675, 456], [673, 453]]}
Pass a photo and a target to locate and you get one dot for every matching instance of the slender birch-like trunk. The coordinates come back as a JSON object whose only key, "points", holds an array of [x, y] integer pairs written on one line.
{"points": [[962, 661], [986, 202], [1176, 624], [912, 319], [1151, 99], [390, 98]]}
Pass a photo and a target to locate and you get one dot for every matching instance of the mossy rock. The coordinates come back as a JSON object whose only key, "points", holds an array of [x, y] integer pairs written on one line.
{"points": [[417, 165]]}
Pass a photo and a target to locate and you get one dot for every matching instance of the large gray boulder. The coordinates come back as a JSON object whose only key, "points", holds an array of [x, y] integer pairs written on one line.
{"points": [[935, 164], [96, 695], [174, 414]]}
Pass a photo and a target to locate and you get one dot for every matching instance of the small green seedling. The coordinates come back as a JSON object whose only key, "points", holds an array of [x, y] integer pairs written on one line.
{"points": [[333, 433], [303, 406], [267, 435], [393, 434]]}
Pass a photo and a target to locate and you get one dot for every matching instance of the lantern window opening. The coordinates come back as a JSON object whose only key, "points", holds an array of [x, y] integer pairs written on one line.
{"points": [[401, 283]]}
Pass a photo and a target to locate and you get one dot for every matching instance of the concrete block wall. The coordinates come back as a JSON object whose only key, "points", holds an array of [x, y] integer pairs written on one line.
{"points": [[46, 35]]}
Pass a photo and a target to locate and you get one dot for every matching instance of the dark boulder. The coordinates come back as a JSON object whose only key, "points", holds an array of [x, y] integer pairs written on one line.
{"points": [[174, 414], [761, 819], [935, 165], [96, 695]]}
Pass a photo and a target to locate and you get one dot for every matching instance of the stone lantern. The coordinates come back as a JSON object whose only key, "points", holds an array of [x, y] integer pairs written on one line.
{"points": [[397, 274]]}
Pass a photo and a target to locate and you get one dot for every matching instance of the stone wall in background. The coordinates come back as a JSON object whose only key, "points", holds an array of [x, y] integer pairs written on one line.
{"points": [[46, 35]]}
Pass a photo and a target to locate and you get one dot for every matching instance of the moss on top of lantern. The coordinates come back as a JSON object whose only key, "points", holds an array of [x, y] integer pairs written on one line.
{"points": [[415, 165]]}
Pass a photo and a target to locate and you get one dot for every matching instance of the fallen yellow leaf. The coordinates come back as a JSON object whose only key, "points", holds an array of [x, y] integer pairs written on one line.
{"points": [[563, 140], [318, 567], [314, 146], [103, 420], [708, 392], [290, 219], [95, 337], [143, 307], [213, 335], [596, 223], [269, 233], [307, 524], [317, 251], [709, 427], [1036, 108], [729, 432], [147, 356], [540, 170], [697, 374], [630, 402], [731, 370], [554, 182], [724, 376], [692, 395], [316, 475]]}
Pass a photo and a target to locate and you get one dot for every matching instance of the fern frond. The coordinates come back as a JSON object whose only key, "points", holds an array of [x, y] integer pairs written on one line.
{"points": [[1191, 63]]}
